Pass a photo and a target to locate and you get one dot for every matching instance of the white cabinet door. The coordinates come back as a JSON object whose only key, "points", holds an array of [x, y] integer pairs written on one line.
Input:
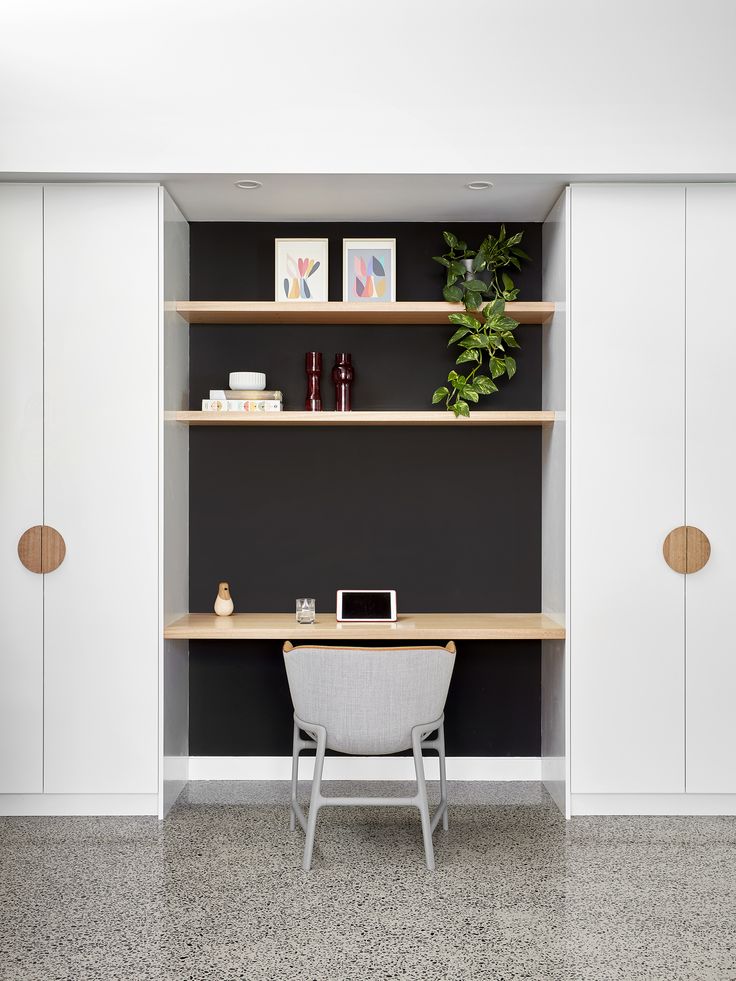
{"points": [[626, 628], [21, 487], [711, 488], [101, 467]]}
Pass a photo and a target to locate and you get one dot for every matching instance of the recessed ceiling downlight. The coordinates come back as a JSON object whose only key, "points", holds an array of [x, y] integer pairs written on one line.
{"points": [[479, 185], [248, 185]]}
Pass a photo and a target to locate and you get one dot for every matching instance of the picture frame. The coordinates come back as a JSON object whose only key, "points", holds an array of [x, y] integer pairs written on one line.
{"points": [[369, 270], [301, 268]]}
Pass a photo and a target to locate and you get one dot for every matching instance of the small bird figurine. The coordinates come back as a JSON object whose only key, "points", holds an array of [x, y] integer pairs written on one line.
{"points": [[224, 601]]}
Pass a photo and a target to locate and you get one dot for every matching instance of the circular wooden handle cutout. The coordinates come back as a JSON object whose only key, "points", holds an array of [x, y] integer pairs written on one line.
{"points": [[41, 549], [686, 549]]}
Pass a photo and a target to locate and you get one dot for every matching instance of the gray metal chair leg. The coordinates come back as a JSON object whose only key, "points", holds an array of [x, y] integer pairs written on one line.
{"points": [[294, 777], [317, 739], [443, 776], [422, 801], [314, 803]]}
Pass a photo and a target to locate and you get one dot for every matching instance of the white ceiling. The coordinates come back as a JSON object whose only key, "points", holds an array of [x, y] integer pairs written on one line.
{"points": [[362, 197]]}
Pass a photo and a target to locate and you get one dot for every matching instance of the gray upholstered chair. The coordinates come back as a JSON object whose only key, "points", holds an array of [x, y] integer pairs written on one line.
{"points": [[368, 701]]}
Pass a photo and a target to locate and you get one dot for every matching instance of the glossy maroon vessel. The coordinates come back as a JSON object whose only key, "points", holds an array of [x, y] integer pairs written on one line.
{"points": [[313, 401], [342, 376]]}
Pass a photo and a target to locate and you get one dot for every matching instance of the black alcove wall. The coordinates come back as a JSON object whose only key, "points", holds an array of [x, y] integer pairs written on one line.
{"points": [[450, 518]]}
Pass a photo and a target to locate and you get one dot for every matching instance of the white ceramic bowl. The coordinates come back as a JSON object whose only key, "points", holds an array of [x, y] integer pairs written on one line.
{"points": [[254, 381]]}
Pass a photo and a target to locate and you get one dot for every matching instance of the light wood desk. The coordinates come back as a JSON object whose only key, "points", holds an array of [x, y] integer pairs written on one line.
{"points": [[409, 627]]}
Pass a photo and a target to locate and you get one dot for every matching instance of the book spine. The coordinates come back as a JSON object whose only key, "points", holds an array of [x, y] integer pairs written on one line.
{"points": [[241, 405]]}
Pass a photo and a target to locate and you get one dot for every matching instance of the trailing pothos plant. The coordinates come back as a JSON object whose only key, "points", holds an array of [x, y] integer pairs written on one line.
{"points": [[489, 262], [484, 343], [489, 333]]}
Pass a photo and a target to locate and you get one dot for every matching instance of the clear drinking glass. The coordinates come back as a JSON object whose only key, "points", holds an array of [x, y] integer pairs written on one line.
{"points": [[305, 611]]}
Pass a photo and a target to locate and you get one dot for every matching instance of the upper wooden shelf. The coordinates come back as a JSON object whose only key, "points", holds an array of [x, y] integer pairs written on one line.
{"points": [[409, 628], [431, 418], [272, 312]]}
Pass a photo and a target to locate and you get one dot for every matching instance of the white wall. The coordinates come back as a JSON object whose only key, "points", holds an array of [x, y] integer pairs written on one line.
{"points": [[174, 490], [555, 382], [226, 86]]}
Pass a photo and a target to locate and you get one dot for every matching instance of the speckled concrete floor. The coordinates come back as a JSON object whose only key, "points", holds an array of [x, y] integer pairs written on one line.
{"points": [[216, 892]]}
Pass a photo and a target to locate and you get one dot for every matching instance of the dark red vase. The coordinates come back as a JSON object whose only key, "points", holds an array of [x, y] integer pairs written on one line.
{"points": [[313, 401], [342, 376]]}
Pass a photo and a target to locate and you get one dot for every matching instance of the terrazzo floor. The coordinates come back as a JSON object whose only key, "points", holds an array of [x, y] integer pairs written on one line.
{"points": [[217, 892]]}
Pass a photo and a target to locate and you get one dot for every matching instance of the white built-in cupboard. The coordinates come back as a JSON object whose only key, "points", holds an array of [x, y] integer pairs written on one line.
{"points": [[82, 322], [651, 414], [637, 704]]}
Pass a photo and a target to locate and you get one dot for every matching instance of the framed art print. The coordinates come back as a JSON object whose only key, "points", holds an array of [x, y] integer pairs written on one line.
{"points": [[369, 270], [301, 269]]}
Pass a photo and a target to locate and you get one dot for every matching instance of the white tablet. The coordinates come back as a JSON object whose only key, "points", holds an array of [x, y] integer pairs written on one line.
{"points": [[367, 605]]}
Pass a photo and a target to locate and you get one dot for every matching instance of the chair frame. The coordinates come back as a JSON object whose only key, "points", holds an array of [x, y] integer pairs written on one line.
{"points": [[318, 741]]}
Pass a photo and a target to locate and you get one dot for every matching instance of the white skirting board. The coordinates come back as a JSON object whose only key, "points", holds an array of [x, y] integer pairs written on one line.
{"points": [[364, 768], [175, 771], [62, 805], [654, 804]]}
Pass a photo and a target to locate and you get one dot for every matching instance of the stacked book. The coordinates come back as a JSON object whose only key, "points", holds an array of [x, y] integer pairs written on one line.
{"points": [[229, 400]]}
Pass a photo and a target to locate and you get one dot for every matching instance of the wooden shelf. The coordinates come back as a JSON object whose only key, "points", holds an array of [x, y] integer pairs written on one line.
{"points": [[273, 312], [409, 628], [438, 417]]}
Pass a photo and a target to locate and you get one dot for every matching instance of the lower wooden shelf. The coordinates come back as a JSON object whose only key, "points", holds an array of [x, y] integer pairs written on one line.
{"points": [[408, 628], [430, 418]]}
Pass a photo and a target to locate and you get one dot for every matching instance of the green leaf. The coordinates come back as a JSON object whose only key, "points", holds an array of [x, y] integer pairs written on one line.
{"points": [[461, 408], [473, 300], [461, 332], [468, 356], [439, 394], [465, 319], [475, 341], [462, 246], [510, 339], [450, 239], [502, 233], [452, 376], [470, 393], [521, 254], [479, 263], [498, 367], [476, 285], [453, 294], [441, 259], [484, 385], [515, 239], [510, 366], [507, 281], [496, 307], [457, 268]]}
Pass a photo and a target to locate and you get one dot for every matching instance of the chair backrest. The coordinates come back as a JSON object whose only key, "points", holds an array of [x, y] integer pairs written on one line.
{"points": [[369, 698]]}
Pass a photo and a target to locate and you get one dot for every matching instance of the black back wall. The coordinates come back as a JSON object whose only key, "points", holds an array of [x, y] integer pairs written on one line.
{"points": [[450, 518]]}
